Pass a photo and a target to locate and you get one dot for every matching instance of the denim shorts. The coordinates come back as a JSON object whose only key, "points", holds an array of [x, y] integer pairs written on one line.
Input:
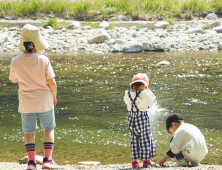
{"points": [[29, 121]]}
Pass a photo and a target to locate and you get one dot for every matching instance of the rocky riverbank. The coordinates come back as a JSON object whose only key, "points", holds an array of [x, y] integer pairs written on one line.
{"points": [[169, 166], [159, 36]]}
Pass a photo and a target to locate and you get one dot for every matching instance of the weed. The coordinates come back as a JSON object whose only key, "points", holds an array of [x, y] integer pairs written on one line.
{"points": [[92, 25], [170, 20], [51, 22], [111, 26]]}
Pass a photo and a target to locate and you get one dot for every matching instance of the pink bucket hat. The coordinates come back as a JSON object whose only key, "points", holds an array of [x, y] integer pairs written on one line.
{"points": [[140, 77]]}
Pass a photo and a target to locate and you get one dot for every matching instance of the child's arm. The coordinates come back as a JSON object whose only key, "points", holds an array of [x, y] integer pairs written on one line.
{"points": [[150, 97], [161, 162]]}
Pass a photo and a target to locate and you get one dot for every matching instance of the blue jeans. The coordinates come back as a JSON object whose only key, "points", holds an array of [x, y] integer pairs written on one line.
{"points": [[179, 156]]}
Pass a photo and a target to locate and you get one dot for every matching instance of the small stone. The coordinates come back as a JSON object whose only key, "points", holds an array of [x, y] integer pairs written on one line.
{"points": [[164, 63]]}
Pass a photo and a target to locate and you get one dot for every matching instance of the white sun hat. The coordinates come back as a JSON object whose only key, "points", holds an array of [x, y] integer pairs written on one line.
{"points": [[31, 33]]}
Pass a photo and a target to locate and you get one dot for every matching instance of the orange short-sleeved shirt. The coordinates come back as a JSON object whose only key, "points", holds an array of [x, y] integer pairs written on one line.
{"points": [[32, 72]]}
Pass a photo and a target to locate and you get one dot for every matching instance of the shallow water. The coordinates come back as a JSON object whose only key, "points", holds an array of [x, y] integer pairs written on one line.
{"points": [[91, 115]]}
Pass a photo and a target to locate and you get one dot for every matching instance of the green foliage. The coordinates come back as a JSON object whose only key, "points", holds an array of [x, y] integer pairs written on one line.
{"points": [[83, 8], [92, 25], [51, 22], [170, 20]]}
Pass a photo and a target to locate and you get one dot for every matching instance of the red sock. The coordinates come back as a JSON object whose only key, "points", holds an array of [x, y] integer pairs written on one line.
{"points": [[30, 150], [48, 149]]}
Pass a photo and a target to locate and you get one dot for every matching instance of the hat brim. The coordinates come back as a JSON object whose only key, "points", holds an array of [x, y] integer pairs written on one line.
{"points": [[142, 81], [31, 33]]}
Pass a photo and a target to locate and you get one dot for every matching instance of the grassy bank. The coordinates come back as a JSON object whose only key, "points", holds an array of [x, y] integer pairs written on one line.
{"points": [[88, 8]]}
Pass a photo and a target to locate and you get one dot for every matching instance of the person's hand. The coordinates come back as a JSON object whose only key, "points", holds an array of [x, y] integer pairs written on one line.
{"points": [[54, 102], [161, 162]]}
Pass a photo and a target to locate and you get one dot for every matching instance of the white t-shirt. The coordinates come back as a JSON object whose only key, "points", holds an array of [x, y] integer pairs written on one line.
{"points": [[143, 101], [189, 139]]}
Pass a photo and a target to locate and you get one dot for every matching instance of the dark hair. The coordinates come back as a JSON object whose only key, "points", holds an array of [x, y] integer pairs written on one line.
{"points": [[136, 85], [173, 118], [29, 46]]}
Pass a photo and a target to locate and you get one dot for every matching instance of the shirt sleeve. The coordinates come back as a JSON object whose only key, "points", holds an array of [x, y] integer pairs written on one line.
{"points": [[148, 99], [49, 70], [12, 74]]}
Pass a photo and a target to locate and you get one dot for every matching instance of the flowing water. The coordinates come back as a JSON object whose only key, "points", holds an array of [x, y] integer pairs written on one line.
{"points": [[91, 115]]}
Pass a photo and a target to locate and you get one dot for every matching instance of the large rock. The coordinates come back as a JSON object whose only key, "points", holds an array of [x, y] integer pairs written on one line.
{"points": [[99, 36], [132, 47], [3, 38], [161, 24], [215, 23], [159, 47], [195, 30], [211, 16], [217, 29], [148, 46], [74, 24], [219, 46]]}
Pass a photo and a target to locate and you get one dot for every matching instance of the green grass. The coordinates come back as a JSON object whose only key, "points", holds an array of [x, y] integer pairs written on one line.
{"points": [[85, 8]]}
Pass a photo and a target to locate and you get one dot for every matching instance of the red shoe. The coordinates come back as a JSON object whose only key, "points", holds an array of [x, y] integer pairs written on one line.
{"points": [[135, 164], [147, 163]]}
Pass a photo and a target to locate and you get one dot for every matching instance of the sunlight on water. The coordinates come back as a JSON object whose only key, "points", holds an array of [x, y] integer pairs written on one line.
{"points": [[91, 115]]}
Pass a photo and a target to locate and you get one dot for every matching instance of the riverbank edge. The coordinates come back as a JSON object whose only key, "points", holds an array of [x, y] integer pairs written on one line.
{"points": [[141, 24], [17, 166]]}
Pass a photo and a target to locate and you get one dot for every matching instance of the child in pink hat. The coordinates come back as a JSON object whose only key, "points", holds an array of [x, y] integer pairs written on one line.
{"points": [[138, 100]]}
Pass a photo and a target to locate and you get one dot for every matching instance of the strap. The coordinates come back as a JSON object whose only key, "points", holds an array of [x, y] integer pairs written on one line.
{"points": [[134, 101]]}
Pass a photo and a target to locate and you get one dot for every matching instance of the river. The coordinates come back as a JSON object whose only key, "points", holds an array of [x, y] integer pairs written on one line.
{"points": [[91, 115]]}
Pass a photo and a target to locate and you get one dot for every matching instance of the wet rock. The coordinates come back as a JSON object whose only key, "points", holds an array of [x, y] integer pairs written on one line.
{"points": [[211, 16], [132, 47], [73, 25], [104, 24], [147, 46], [159, 47], [161, 24], [217, 29], [164, 63], [99, 36], [219, 46]]}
